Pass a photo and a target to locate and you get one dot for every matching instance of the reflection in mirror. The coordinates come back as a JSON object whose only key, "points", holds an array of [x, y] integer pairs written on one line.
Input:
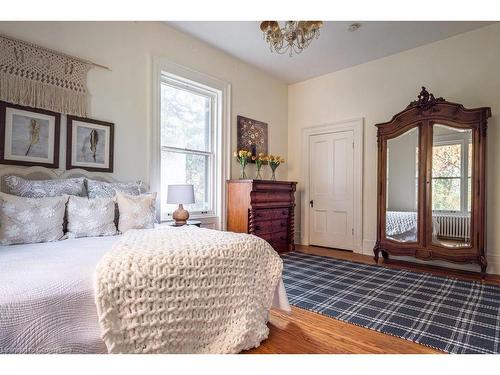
{"points": [[402, 187], [451, 186]]}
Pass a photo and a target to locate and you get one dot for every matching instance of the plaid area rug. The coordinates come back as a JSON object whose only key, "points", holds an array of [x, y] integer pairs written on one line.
{"points": [[448, 314]]}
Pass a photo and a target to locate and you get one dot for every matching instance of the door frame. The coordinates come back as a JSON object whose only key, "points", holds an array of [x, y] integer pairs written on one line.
{"points": [[356, 126]]}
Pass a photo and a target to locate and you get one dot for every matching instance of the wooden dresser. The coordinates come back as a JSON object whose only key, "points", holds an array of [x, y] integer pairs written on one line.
{"points": [[263, 208]]}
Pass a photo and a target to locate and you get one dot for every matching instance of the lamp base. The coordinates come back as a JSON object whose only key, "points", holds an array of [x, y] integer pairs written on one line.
{"points": [[180, 216]]}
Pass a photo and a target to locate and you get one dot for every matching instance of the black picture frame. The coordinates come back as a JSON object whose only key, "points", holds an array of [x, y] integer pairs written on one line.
{"points": [[6, 159], [70, 163]]}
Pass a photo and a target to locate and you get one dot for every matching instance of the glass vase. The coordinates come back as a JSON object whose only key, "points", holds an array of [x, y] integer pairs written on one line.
{"points": [[273, 176], [243, 175], [258, 176]]}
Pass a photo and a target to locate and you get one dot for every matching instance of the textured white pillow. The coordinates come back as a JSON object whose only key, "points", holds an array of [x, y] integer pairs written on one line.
{"points": [[44, 188], [101, 189], [91, 217], [29, 220], [136, 211]]}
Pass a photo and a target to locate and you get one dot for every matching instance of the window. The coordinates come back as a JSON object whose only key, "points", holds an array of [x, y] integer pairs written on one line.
{"points": [[189, 126], [451, 176]]}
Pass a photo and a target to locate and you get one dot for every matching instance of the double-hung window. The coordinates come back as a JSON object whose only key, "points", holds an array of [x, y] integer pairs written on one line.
{"points": [[189, 122]]}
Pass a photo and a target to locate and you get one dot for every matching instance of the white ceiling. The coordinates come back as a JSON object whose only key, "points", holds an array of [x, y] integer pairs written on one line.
{"points": [[337, 48]]}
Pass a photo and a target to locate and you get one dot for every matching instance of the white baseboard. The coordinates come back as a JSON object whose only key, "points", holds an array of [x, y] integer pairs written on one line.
{"points": [[297, 237], [368, 247]]}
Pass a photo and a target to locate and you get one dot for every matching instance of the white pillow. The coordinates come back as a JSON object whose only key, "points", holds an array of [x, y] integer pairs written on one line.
{"points": [[29, 220], [136, 211], [44, 188], [101, 189], [90, 217]]}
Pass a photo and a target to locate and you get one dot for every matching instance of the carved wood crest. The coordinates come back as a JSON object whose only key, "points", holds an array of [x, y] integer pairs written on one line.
{"points": [[425, 101]]}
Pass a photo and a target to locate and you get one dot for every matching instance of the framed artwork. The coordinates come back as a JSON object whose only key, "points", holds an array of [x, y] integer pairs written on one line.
{"points": [[29, 136], [89, 144], [252, 135]]}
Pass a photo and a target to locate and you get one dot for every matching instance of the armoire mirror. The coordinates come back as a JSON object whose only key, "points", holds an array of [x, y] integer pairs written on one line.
{"points": [[451, 186], [401, 220], [431, 188]]}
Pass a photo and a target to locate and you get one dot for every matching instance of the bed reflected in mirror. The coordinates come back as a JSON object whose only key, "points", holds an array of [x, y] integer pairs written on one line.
{"points": [[451, 185], [402, 187]]}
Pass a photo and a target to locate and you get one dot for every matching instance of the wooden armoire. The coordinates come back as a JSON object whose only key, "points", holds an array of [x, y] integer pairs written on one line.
{"points": [[432, 182], [263, 208]]}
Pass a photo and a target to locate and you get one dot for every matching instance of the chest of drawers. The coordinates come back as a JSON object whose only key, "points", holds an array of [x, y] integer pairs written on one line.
{"points": [[263, 208]]}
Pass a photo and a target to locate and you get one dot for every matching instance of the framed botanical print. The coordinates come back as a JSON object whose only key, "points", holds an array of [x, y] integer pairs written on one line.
{"points": [[89, 144], [29, 136], [252, 135]]}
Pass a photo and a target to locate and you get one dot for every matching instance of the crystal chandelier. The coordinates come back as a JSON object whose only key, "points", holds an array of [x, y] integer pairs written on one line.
{"points": [[295, 36]]}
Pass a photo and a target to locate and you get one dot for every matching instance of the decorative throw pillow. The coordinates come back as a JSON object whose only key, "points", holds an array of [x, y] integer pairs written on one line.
{"points": [[136, 211], [44, 188], [91, 217], [29, 220], [100, 189]]}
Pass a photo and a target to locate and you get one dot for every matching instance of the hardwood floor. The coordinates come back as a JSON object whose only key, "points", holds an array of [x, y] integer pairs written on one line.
{"points": [[307, 332]]}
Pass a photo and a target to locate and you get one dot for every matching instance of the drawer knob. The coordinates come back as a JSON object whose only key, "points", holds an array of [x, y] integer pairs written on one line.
{"points": [[257, 227]]}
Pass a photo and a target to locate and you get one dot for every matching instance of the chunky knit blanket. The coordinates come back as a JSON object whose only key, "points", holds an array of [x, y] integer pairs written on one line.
{"points": [[186, 290]]}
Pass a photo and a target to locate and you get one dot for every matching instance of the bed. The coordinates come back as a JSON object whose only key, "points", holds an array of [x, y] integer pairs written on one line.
{"points": [[47, 298], [402, 226]]}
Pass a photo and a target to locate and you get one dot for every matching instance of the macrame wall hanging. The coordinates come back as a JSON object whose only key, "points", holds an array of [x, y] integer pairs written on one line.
{"points": [[38, 77]]}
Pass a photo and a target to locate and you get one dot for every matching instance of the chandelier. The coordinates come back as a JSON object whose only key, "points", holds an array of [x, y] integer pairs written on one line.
{"points": [[295, 36]]}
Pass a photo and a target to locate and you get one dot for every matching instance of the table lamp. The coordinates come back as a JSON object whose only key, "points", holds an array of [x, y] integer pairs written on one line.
{"points": [[180, 194]]}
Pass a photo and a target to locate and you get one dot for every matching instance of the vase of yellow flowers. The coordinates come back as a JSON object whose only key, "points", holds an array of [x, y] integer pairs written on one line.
{"points": [[259, 160], [274, 162], [243, 157]]}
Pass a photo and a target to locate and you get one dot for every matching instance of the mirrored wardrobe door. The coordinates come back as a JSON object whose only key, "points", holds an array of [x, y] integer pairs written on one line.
{"points": [[452, 161], [402, 173]]}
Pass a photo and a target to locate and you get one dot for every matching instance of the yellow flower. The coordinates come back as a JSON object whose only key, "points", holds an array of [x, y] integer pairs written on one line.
{"points": [[261, 154], [235, 154], [253, 158]]}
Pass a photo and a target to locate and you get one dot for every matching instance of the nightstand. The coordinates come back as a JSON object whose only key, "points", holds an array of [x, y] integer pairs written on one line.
{"points": [[189, 222]]}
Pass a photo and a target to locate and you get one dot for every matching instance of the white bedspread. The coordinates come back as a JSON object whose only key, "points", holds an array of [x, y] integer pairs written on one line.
{"points": [[47, 296]]}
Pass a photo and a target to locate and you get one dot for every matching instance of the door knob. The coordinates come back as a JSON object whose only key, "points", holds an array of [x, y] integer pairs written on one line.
{"points": [[311, 203]]}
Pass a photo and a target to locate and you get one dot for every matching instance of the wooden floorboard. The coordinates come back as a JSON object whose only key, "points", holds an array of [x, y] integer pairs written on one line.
{"points": [[305, 332]]}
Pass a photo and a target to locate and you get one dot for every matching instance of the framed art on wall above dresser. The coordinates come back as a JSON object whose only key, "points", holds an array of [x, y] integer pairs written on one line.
{"points": [[263, 208]]}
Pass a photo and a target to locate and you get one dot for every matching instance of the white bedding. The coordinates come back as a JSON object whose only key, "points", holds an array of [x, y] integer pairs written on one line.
{"points": [[47, 296]]}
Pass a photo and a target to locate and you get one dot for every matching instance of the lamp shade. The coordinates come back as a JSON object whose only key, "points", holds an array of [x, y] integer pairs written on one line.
{"points": [[180, 194]]}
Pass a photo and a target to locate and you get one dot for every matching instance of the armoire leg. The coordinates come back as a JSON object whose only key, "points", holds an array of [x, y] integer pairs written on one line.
{"points": [[483, 263], [376, 251]]}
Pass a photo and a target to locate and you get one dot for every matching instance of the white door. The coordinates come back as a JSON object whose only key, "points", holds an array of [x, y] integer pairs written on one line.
{"points": [[331, 171]]}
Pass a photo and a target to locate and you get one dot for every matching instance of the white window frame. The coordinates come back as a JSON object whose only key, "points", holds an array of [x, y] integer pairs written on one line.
{"points": [[221, 126], [214, 96]]}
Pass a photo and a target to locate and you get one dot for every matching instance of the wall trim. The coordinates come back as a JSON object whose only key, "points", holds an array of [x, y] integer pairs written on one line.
{"points": [[160, 65], [356, 125]]}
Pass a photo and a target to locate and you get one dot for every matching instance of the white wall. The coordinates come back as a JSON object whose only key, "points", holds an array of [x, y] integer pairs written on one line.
{"points": [[123, 96], [463, 69]]}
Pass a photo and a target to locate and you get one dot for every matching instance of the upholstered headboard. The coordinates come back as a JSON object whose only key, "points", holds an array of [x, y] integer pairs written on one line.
{"points": [[41, 173]]}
